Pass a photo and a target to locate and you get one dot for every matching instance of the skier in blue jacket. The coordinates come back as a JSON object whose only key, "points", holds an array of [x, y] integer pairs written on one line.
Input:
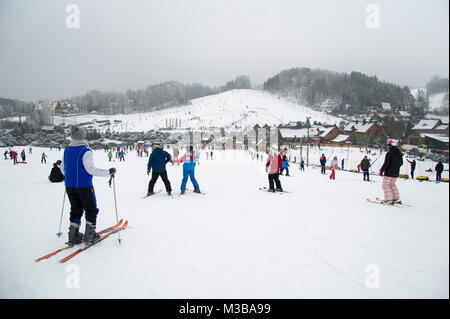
{"points": [[189, 170], [157, 162], [78, 168], [285, 164]]}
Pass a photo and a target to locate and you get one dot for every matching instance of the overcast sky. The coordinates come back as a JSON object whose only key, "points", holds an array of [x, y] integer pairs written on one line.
{"points": [[134, 43]]}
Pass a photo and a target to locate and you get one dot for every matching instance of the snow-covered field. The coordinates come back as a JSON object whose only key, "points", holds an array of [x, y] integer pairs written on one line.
{"points": [[245, 108], [323, 240]]}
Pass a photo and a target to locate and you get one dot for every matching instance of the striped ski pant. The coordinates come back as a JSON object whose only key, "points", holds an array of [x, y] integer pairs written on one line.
{"points": [[390, 189]]}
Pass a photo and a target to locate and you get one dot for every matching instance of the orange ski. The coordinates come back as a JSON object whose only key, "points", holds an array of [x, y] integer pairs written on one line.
{"points": [[67, 247], [89, 246]]}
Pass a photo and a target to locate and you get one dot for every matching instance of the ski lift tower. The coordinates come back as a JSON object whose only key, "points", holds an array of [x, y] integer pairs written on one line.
{"points": [[308, 125]]}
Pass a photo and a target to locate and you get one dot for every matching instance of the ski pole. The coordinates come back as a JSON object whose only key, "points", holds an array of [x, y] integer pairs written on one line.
{"points": [[115, 205], [59, 233]]}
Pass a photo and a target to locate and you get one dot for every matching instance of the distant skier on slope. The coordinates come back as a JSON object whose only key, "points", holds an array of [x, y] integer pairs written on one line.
{"points": [[365, 164], [273, 167], [390, 169], [302, 165], [439, 168], [189, 160], [334, 166], [413, 167], [285, 163], [323, 161], [78, 168], [157, 162]]}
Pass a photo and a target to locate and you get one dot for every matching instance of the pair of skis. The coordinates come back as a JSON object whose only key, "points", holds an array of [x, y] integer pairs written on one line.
{"points": [[265, 189], [381, 202], [105, 233]]}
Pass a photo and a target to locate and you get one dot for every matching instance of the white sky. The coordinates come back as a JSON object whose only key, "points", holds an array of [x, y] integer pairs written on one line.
{"points": [[134, 43]]}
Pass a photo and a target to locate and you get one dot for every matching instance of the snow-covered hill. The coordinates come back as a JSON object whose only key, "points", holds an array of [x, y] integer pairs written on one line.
{"points": [[243, 108], [436, 100]]}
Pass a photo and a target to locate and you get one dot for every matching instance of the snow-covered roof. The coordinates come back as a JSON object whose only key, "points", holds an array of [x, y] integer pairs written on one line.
{"points": [[442, 127], [291, 132], [327, 131], [440, 137], [426, 124], [341, 138], [359, 127], [386, 106], [404, 113]]}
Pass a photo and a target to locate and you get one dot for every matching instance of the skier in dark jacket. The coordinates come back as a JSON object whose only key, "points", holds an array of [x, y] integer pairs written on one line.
{"points": [[78, 168], [56, 175], [157, 162], [365, 165], [391, 169], [413, 167], [323, 161], [439, 168]]}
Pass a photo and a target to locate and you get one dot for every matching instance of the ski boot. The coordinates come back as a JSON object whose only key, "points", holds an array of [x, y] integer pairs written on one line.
{"points": [[197, 190], [271, 190], [75, 237], [169, 193], [150, 193], [90, 236], [396, 201], [279, 190], [183, 191]]}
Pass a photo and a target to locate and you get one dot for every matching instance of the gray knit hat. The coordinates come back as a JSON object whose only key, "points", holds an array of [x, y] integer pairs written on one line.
{"points": [[77, 133]]}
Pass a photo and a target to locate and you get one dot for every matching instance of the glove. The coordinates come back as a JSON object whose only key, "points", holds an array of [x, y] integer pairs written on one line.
{"points": [[112, 170], [148, 172], [381, 173]]}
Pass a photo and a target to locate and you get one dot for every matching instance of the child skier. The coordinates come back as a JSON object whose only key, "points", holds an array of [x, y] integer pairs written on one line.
{"points": [[285, 164], [273, 167], [334, 166], [189, 170], [78, 168], [56, 175], [302, 165], [43, 158], [110, 155], [390, 169]]}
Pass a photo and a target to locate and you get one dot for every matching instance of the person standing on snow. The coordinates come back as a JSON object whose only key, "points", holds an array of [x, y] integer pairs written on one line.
{"points": [[43, 158], [110, 155], [365, 165], [302, 165], [342, 164], [334, 166], [22, 154], [323, 161], [390, 170], [189, 170], [157, 162], [273, 167], [439, 168], [285, 164], [78, 168], [413, 167]]}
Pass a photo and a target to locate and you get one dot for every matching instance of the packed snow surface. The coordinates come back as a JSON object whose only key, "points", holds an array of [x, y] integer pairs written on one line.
{"points": [[322, 240]]}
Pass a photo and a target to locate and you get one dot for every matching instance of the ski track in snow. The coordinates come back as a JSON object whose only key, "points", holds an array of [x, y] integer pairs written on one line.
{"points": [[236, 242]]}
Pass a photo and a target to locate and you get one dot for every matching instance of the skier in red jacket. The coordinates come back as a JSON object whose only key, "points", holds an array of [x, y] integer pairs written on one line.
{"points": [[273, 167]]}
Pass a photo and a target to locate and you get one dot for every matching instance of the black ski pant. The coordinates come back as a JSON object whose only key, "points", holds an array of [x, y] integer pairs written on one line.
{"points": [[438, 176], [412, 174], [82, 200], [366, 175], [274, 178], [322, 169], [155, 177]]}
